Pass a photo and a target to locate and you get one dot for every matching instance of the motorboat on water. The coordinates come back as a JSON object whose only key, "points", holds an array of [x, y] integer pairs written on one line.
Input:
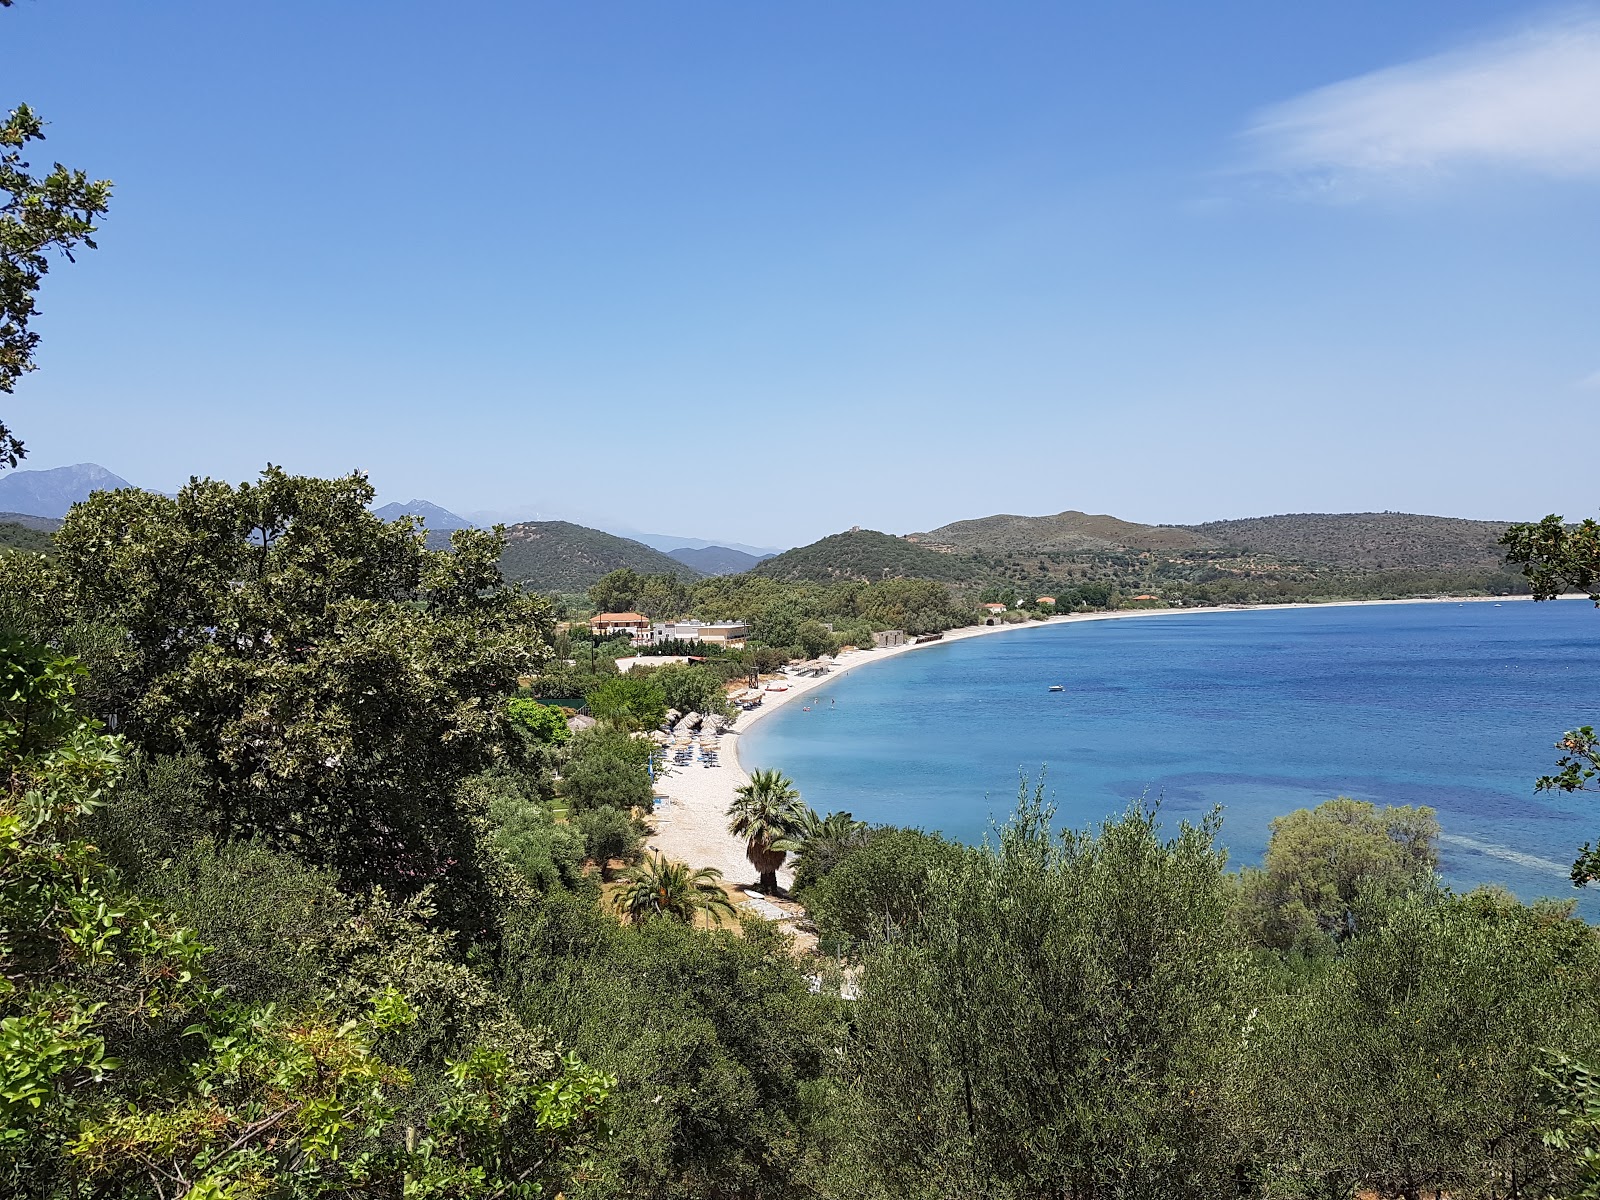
{"points": [[1056, 687]]}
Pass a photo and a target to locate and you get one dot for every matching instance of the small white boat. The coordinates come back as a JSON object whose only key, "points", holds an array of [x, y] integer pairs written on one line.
{"points": [[1056, 687]]}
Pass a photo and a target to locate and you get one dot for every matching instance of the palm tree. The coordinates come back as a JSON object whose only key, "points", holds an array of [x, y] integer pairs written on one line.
{"points": [[658, 887], [768, 815], [824, 841]]}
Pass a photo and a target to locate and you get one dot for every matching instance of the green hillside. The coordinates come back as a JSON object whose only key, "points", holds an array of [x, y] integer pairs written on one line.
{"points": [[558, 556], [869, 555], [1365, 541], [19, 537], [1071, 531]]}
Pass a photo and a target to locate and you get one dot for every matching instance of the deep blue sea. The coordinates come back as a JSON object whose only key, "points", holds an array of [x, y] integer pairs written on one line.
{"points": [[1456, 706]]}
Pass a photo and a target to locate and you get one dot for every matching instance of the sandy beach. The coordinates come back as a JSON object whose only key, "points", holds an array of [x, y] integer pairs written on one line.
{"points": [[691, 823]]}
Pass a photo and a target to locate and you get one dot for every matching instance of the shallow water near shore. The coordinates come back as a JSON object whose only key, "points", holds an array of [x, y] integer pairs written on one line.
{"points": [[1451, 705]]}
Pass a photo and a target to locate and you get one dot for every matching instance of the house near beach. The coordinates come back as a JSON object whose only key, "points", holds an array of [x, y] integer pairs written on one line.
{"points": [[993, 607], [1050, 600], [630, 623], [889, 637]]}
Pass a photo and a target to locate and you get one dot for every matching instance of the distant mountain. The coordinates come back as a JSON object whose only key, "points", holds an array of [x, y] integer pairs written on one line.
{"points": [[717, 560], [51, 493], [869, 555], [558, 556], [1365, 541], [432, 516], [1069, 531], [668, 542]]}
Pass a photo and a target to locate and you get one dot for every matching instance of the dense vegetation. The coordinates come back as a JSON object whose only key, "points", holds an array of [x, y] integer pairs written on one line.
{"points": [[339, 910], [558, 556], [1367, 541], [19, 537], [866, 555], [1071, 531]]}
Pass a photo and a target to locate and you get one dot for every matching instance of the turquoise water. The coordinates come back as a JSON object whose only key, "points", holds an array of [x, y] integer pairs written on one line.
{"points": [[1453, 706]]}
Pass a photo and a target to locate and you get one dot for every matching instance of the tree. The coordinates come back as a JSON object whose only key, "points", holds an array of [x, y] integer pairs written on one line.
{"points": [[815, 639], [606, 766], [824, 843], [617, 591], [690, 687], [333, 678], [1412, 1063], [1062, 1021], [1556, 558], [608, 833], [1327, 867], [767, 814], [661, 888], [38, 215], [632, 701], [544, 722], [662, 596], [205, 1096]]}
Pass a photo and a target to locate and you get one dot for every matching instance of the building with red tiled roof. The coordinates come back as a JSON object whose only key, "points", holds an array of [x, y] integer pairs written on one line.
{"points": [[631, 623]]}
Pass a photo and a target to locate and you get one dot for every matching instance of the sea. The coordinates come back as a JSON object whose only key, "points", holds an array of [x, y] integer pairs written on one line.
{"points": [[1455, 706]]}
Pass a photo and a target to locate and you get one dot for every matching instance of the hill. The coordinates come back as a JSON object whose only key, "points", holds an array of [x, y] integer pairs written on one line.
{"points": [[865, 554], [1069, 531], [717, 560], [27, 521], [21, 537], [50, 493], [1365, 541], [558, 556]]}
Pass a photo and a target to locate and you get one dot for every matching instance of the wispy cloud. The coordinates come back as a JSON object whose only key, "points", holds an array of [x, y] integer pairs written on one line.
{"points": [[1527, 102], [1590, 383]]}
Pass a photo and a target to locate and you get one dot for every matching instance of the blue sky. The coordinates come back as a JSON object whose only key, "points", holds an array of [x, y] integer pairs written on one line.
{"points": [[765, 272]]}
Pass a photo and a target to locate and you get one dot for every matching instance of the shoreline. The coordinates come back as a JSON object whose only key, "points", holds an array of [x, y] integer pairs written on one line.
{"points": [[691, 825]]}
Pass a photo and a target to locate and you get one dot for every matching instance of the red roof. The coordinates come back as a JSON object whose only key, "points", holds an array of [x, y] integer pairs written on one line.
{"points": [[619, 619]]}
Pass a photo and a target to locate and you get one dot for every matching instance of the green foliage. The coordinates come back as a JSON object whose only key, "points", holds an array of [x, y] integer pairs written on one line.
{"points": [[210, 1098], [1328, 868], [632, 701], [542, 721], [607, 833], [815, 639], [691, 687], [1555, 557], [558, 556], [606, 767], [661, 888], [876, 890], [333, 679], [824, 843], [714, 1040], [863, 554], [14, 537], [39, 215], [1062, 1020], [767, 814], [656, 596], [1413, 1061], [1577, 770]]}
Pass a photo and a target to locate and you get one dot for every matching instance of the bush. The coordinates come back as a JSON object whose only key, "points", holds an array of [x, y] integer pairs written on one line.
{"points": [[605, 766], [608, 833], [877, 889], [542, 721]]}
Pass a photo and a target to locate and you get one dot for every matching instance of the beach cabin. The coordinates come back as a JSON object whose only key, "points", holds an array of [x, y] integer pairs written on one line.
{"points": [[993, 611], [1050, 600], [889, 637]]}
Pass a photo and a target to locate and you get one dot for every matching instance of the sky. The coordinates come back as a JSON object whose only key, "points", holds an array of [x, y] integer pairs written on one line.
{"points": [[764, 272]]}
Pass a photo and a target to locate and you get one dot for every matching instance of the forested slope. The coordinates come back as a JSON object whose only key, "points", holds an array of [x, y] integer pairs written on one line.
{"points": [[866, 554], [558, 556], [1365, 541]]}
